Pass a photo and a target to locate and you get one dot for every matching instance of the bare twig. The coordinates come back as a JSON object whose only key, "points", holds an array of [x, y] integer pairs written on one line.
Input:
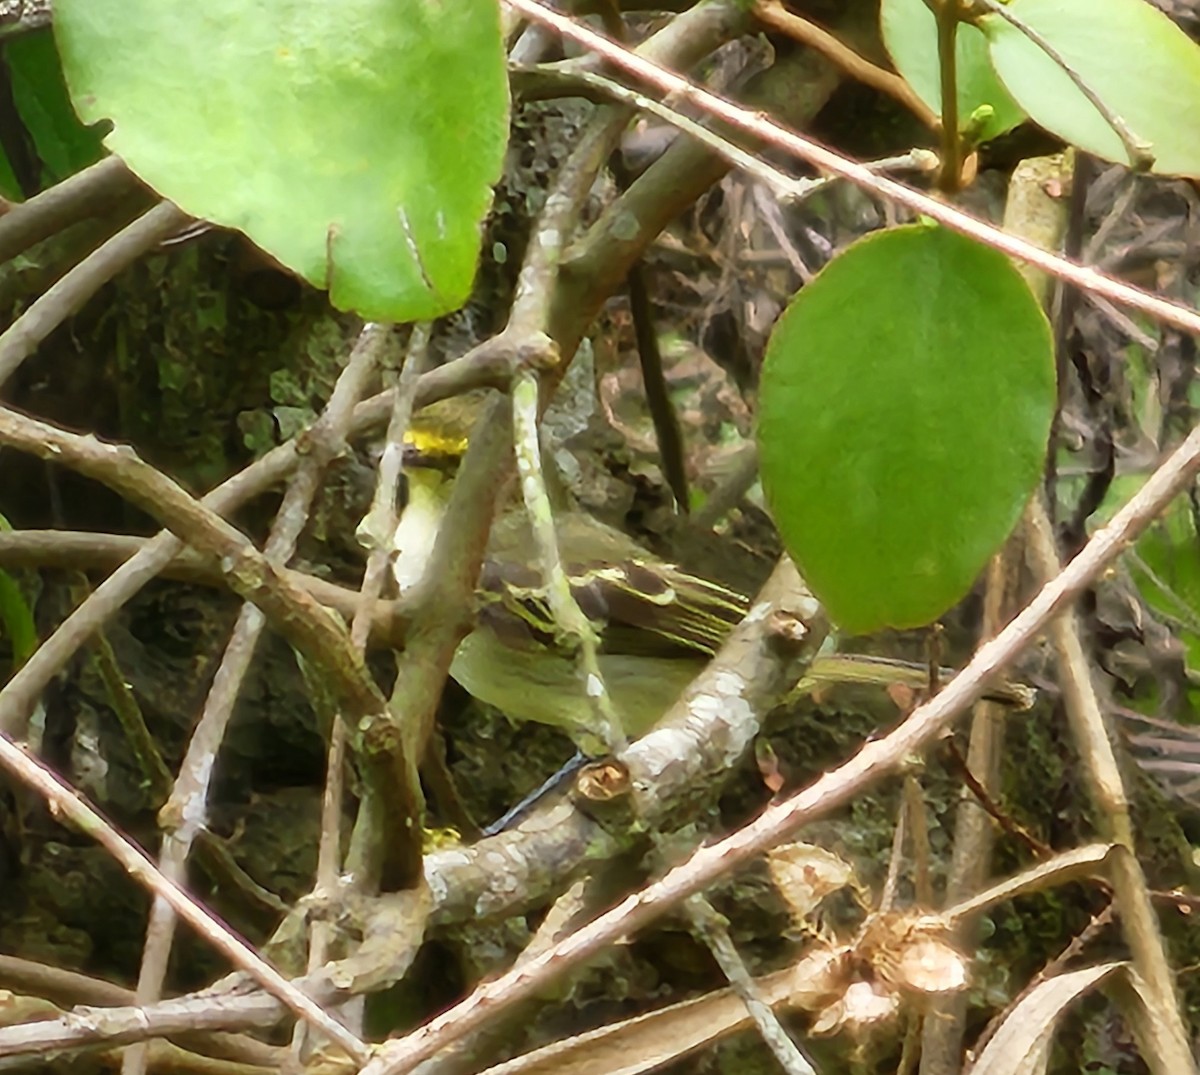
{"points": [[152, 769], [291, 610], [380, 521], [82, 195], [714, 930], [137, 864], [67, 988], [66, 296], [817, 155], [568, 616], [185, 812], [1165, 1032], [376, 530], [93, 551], [794, 190], [198, 1013], [667, 430], [918, 827], [772, 13], [891, 881]]}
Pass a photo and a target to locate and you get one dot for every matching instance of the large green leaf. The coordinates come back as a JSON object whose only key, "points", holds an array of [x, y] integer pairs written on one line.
{"points": [[355, 141], [904, 410], [910, 34], [64, 145], [1130, 55]]}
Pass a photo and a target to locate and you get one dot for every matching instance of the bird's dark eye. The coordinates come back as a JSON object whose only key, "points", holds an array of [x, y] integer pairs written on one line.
{"points": [[410, 454]]}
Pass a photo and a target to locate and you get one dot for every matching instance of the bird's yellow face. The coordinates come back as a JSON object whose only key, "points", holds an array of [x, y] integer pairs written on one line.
{"points": [[437, 435], [434, 445]]}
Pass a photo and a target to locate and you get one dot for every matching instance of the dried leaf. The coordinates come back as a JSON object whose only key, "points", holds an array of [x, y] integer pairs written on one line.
{"points": [[930, 965], [864, 1004], [655, 1038], [805, 874], [1022, 1044]]}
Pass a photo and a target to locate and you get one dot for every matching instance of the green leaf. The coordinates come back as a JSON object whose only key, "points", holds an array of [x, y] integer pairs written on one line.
{"points": [[355, 141], [1166, 569], [904, 410], [1138, 62], [910, 34], [9, 187], [16, 617], [64, 145]]}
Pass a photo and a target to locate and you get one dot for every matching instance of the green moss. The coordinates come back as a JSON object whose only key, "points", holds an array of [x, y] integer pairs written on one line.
{"points": [[205, 376]]}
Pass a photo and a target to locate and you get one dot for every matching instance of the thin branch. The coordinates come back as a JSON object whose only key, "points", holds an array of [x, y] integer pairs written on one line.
{"points": [[290, 609], [568, 616], [1166, 1031], [817, 155], [94, 551], [714, 931], [791, 189], [68, 295], [76, 198], [891, 881], [198, 1013], [153, 771], [667, 429], [185, 812], [772, 13], [376, 529], [69, 988], [66, 801], [380, 520]]}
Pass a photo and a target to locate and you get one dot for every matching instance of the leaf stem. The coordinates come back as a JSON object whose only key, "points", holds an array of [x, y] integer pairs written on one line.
{"points": [[950, 175]]}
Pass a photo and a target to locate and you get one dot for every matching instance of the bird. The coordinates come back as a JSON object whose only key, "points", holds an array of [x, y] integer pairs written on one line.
{"points": [[657, 624]]}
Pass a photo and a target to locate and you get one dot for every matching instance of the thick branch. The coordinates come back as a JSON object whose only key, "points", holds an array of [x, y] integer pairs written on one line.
{"points": [[291, 610]]}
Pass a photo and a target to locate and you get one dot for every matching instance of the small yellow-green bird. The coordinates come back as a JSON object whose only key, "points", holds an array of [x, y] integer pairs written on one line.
{"points": [[658, 625]]}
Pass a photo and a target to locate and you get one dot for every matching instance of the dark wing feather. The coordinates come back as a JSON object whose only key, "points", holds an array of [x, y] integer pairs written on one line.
{"points": [[640, 607]]}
